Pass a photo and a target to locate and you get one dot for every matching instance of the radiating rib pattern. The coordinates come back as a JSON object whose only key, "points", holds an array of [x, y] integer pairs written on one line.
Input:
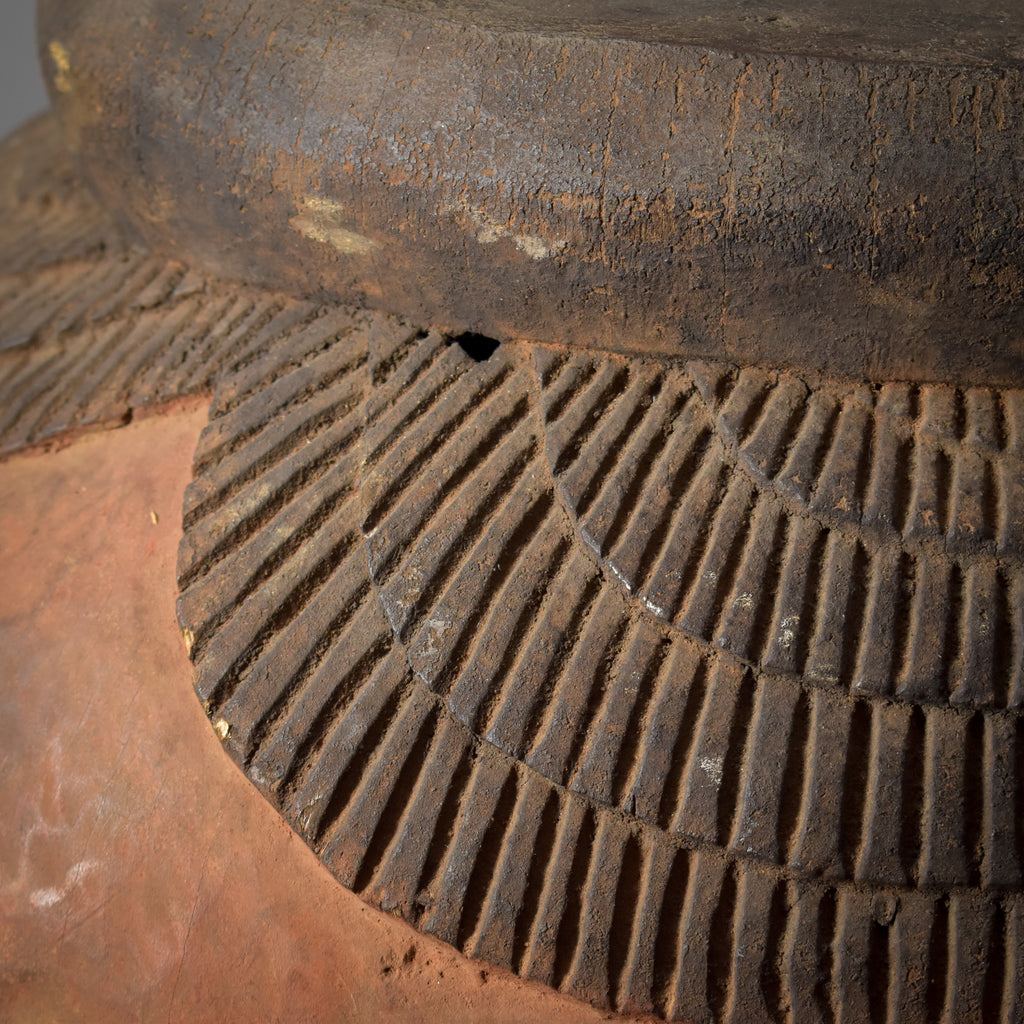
{"points": [[436, 673], [685, 690], [127, 331], [91, 330], [865, 540]]}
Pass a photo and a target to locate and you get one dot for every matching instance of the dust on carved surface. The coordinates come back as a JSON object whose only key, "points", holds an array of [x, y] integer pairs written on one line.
{"points": [[442, 673]]}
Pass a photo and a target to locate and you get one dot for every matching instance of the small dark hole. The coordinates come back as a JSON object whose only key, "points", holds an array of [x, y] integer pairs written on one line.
{"points": [[478, 347]]}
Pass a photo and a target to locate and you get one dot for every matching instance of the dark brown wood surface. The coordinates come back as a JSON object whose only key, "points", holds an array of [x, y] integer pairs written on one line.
{"points": [[681, 688], [646, 654], [835, 193]]}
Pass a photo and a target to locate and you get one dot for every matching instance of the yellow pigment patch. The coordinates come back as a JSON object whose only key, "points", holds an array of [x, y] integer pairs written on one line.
{"points": [[321, 219], [62, 62], [489, 231]]}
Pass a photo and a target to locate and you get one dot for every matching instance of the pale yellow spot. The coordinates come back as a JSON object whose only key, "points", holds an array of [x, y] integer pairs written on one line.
{"points": [[190, 638], [62, 61], [221, 728], [321, 220], [489, 231]]}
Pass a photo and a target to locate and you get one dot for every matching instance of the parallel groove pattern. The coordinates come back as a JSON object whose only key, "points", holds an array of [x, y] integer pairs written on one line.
{"points": [[134, 331], [91, 331], [763, 519], [642, 847], [575, 733], [502, 653]]}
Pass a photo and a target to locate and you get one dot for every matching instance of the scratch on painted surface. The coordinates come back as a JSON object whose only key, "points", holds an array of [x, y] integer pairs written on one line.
{"points": [[43, 899], [188, 933]]}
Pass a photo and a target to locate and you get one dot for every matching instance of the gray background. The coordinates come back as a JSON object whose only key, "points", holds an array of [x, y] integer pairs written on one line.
{"points": [[21, 85]]}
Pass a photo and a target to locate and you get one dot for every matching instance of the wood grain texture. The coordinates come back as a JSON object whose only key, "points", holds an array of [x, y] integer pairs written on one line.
{"points": [[453, 691], [684, 181], [682, 688]]}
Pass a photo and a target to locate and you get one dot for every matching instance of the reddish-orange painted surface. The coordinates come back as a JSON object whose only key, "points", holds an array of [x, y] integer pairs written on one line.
{"points": [[141, 876]]}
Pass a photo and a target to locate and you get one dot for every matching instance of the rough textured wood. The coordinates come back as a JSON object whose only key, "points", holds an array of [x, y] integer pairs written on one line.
{"points": [[842, 202], [406, 605], [48, 215], [683, 685], [94, 331]]}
